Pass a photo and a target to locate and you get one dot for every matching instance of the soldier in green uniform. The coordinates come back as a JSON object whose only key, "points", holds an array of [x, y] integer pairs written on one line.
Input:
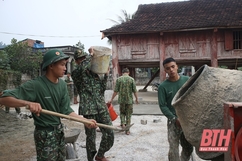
{"points": [[46, 92], [125, 87], [92, 105], [166, 92]]}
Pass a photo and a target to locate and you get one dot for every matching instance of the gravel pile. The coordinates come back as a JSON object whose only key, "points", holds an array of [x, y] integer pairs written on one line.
{"points": [[146, 142]]}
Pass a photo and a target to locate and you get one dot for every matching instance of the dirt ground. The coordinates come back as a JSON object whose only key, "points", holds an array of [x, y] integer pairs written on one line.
{"points": [[16, 137], [146, 141], [17, 143]]}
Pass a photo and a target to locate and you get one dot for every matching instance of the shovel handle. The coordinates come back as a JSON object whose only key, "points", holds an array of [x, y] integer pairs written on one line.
{"points": [[75, 119]]}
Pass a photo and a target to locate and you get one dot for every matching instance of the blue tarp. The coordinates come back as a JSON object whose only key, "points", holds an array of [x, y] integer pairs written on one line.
{"points": [[36, 45]]}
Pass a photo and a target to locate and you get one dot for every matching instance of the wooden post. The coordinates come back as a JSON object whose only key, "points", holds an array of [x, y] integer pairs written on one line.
{"points": [[162, 57], [116, 67], [214, 52]]}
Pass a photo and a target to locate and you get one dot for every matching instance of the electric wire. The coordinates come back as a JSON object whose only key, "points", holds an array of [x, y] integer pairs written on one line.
{"points": [[10, 33]]}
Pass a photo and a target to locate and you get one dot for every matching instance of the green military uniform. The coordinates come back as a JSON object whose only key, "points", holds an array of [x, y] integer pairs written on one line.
{"points": [[125, 87], [166, 93], [92, 106], [49, 134]]}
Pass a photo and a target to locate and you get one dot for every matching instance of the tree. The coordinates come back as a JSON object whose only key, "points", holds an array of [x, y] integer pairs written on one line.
{"points": [[2, 45], [126, 17], [80, 46], [22, 58], [4, 60]]}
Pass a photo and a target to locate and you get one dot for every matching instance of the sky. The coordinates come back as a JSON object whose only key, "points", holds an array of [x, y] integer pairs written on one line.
{"points": [[63, 22]]}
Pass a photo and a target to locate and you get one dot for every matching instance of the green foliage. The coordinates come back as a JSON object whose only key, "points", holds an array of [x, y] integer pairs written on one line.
{"points": [[222, 66], [180, 68], [22, 59], [4, 60], [16, 81], [124, 18], [240, 68], [16, 59], [81, 46], [2, 45], [8, 75], [3, 80], [154, 70], [121, 19]]}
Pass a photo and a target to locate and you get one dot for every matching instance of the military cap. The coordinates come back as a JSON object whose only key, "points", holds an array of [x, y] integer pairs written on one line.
{"points": [[79, 53], [52, 56]]}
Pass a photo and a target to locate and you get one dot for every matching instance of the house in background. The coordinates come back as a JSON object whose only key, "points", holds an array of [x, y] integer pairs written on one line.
{"points": [[34, 43], [38, 45], [194, 32]]}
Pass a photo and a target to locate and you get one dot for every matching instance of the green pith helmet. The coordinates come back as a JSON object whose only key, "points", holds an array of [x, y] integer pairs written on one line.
{"points": [[79, 53], [53, 56]]}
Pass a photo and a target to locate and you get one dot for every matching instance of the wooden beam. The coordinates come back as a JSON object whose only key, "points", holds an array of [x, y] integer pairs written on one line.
{"points": [[152, 78], [214, 50], [162, 58], [116, 68]]}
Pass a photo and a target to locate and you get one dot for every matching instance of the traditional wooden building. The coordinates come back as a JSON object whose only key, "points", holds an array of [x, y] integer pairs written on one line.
{"points": [[194, 32]]}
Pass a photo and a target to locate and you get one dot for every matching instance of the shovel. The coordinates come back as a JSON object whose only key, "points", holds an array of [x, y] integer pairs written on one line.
{"points": [[84, 121]]}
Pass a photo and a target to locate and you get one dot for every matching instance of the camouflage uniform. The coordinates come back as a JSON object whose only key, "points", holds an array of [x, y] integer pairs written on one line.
{"points": [[125, 86], [175, 135], [53, 142], [92, 106]]}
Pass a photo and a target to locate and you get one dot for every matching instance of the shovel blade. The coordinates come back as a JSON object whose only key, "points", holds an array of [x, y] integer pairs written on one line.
{"points": [[125, 128]]}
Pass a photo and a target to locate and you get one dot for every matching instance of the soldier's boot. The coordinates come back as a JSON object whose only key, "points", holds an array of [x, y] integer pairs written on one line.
{"points": [[7, 109], [17, 109]]}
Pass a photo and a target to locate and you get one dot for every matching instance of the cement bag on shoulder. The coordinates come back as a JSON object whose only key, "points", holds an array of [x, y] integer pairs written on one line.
{"points": [[100, 60], [199, 102]]}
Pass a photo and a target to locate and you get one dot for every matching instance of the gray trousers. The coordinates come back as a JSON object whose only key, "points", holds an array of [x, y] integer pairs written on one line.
{"points": [[176, 136]]}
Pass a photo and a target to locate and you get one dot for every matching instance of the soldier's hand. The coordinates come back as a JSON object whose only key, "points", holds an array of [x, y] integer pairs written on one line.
{"points": [[34, 107], [91, 51], [75, 100], [136, 101], [93, 125], [178, 123]]}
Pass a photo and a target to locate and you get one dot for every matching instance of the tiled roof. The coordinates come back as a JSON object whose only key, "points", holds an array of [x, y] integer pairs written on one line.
{"points": [[193, 14]]}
